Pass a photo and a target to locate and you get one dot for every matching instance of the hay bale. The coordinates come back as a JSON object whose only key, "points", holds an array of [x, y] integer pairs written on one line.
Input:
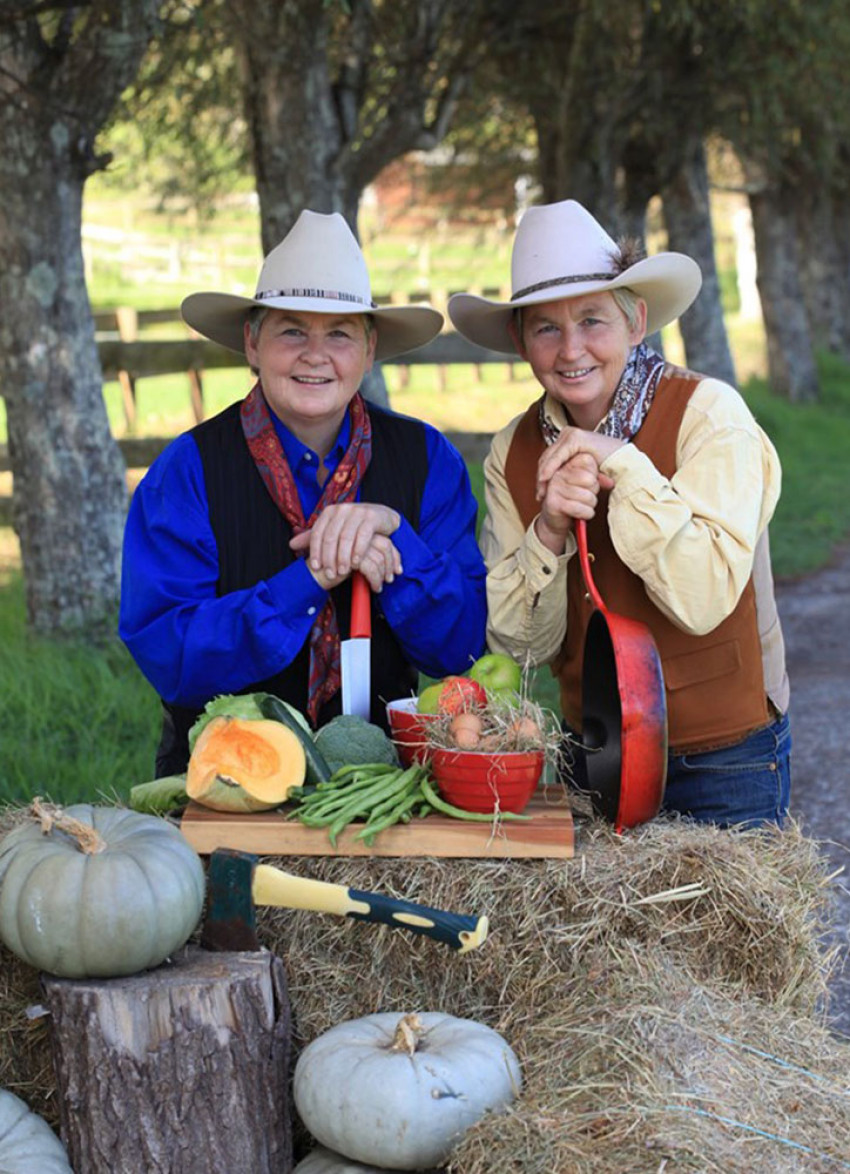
{"points": [[658, 1069], [26, 1067], [25, 1061], [608, 974], [742, 912], [639, 984]]}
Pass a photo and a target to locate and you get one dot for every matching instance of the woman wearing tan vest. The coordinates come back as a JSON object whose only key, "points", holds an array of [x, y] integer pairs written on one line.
{"points": [[677, 483]]}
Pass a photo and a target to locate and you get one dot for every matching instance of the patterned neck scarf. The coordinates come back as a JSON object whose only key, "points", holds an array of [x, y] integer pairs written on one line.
{"points": [[632, 399], [265, 448]]}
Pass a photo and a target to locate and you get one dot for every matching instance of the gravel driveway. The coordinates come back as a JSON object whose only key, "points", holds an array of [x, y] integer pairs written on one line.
{"points": [[815, 613]]}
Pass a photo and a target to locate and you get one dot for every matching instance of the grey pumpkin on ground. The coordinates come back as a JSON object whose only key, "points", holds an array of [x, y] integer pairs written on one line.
{"points": [[27, 1143], [421, 1081]]}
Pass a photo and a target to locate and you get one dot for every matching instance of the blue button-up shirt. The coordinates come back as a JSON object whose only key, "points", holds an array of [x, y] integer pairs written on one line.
{"points": [[192, 644]]}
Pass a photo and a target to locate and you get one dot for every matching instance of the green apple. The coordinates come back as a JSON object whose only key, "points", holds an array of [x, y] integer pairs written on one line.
{"points": [[429, 698], [500, 675]]}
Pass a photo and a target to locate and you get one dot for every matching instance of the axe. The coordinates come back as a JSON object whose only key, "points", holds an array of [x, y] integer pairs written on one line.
{"points": [[238, 883]]}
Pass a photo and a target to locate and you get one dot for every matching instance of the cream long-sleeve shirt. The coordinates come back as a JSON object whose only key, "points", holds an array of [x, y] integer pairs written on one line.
{"points": [[694, 540]]}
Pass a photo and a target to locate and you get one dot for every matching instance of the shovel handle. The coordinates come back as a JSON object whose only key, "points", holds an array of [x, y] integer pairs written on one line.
{"points": [[584, 558], [361, 607]]}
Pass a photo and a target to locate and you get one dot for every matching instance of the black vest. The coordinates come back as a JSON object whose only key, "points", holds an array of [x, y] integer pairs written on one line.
{"points": [[252, 538]]}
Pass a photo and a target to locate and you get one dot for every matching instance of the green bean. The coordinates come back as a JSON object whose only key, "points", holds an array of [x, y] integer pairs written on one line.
{"points": [[349, 775], [459, 813], [389, 818], [342, 795], [362, 805], [331, 812]]}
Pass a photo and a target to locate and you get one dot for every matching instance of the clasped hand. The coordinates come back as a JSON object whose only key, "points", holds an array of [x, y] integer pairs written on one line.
{"points": [[569, 481], [351, 536]]}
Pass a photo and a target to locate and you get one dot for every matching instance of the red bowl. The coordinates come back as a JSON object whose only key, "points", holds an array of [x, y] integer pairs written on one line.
{"points": [[407, 727], [476, 781]]}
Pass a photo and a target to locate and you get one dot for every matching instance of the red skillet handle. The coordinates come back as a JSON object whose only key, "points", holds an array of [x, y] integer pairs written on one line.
{"points": [[584, 558], [361, 607]]}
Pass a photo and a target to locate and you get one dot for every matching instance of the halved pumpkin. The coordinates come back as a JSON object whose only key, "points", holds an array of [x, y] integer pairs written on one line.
{"points": [[240, 765]]}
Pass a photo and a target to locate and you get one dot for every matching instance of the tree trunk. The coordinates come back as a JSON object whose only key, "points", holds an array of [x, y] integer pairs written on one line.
{"points": [[791, 362], [687, 216], [69, 480], [69, 491], [576, 156], [639, 183], [288, 99], [825, 272], [181, 1070]]}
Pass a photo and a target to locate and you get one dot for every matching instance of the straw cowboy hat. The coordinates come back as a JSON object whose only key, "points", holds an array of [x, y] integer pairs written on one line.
{"points": [[561, 251], [317, 268]]}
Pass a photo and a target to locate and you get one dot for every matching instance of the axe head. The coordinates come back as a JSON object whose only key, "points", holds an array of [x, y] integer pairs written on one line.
{"points": [[230, 923]]}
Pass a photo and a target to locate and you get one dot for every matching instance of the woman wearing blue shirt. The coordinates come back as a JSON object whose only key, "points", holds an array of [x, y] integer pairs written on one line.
{"points": [[242, 537]]}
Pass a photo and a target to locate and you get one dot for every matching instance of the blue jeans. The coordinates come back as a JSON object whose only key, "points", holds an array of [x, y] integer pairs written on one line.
{"points": [[744, 785], [747, 784]]}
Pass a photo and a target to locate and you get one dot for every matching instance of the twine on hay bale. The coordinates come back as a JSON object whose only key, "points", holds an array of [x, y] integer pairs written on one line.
{"points": [[663, 991]]}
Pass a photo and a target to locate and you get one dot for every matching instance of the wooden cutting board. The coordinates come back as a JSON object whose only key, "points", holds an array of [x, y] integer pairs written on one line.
{"points": [[548, 833]]}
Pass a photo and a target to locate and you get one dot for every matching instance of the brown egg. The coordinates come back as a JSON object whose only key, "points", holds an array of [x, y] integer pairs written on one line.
{"points": [[465, 730], [525, 729]]}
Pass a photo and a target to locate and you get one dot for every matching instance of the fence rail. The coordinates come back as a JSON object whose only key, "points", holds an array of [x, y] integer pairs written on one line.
{"points": [[128, 360]]}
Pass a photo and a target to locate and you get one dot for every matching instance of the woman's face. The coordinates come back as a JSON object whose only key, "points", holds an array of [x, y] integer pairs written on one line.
{"points": [[578, 348], [310, 365]]}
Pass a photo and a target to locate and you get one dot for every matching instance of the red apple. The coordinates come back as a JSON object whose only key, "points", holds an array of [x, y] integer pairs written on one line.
{"points": [[460, 693]]}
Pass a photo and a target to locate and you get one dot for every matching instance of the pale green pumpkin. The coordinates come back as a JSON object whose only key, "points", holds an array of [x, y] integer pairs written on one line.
{"points": [[27, 1143], [398, 1092], [323, 1161], [101, 892]]}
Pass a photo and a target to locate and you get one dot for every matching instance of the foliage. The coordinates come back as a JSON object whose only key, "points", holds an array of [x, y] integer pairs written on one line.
{"points": [[178, 133], [308, 102]]}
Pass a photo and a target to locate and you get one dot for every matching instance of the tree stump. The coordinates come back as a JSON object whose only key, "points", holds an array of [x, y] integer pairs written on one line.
{"points": [[179, 1070]]}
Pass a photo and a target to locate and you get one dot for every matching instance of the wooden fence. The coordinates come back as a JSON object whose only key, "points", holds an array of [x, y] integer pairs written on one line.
{"points": [[129, 358]]}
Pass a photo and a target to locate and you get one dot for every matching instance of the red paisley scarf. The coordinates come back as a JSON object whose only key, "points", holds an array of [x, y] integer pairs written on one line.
{"points": [[265, 448]]}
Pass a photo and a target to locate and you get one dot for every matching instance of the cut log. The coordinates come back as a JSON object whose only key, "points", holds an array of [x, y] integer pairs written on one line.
{"points": [[179, 1070]]}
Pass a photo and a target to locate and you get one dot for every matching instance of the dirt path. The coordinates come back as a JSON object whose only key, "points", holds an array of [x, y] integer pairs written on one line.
{"points": [[815, 613]]}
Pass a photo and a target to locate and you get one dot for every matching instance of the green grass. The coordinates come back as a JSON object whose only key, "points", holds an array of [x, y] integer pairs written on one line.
{"points": [[79, 723], [813, 442]]}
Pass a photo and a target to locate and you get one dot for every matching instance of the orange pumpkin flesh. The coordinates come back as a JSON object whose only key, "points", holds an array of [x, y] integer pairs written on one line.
{"points": [[240, 765]]}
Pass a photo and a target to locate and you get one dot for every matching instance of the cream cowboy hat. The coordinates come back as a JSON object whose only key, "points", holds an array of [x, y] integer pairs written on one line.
{"points": [[317, 268], [561, 251]]}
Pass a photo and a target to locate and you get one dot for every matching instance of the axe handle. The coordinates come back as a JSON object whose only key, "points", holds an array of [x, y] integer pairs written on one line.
{"points": [[272, 886]]}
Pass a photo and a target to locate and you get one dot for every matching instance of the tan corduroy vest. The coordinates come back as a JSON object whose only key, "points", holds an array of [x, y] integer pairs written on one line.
{"points": [[714, 683]]}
